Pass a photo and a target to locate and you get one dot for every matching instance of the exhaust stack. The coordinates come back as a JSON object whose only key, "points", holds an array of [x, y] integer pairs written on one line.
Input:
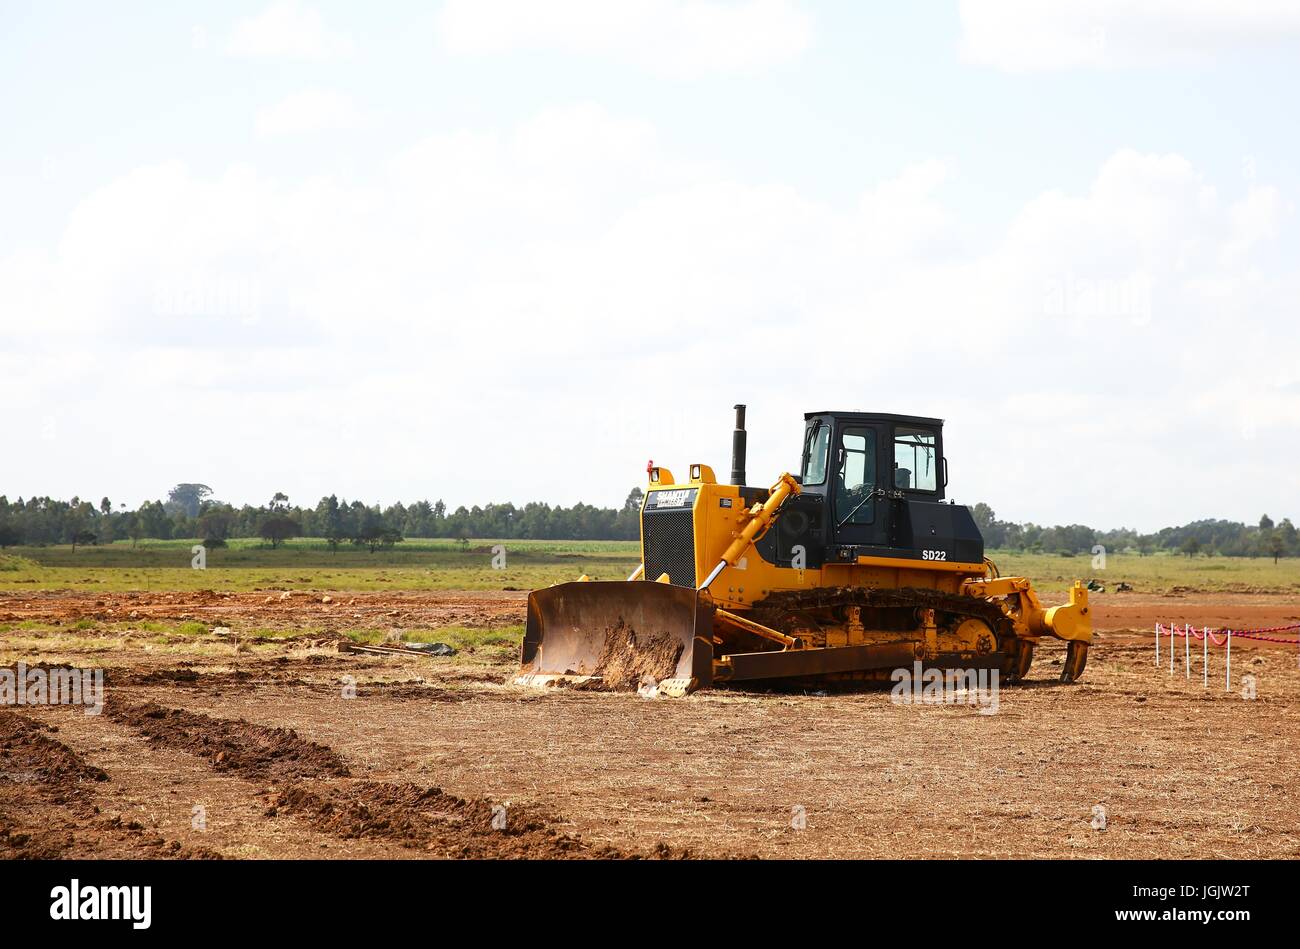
{"points": [[738, 448]]}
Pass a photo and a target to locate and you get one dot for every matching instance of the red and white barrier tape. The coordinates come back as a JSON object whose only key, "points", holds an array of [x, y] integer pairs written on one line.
{"points": [[1207, 636], [1236, 633]]}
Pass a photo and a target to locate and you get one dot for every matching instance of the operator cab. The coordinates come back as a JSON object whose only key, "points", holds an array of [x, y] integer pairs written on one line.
{"points": [[873, 485]]}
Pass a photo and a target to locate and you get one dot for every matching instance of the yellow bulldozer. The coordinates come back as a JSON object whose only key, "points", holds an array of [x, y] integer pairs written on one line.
{"points": [[855, 567]]}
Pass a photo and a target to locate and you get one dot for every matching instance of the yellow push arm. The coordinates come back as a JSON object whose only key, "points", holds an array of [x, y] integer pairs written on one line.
{"points": [[761, 517]]}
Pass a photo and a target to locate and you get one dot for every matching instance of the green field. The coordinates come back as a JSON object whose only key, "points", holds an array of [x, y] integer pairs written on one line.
{"points": [[308, 563], [446, 565], [1155, 573]]}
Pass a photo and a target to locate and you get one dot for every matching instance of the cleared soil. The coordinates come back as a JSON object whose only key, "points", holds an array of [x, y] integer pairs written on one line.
{"points": [[294, 749], [274, 609]]}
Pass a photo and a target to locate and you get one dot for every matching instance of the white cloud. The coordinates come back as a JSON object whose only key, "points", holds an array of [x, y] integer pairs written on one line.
{"points": [[678, 38], [312, 110], [571, 296], [1028, 35], [288, 29]]}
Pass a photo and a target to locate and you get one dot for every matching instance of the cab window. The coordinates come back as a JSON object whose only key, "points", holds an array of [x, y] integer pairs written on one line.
{"points": [[856, 482], [916, 463], [815, 448]]}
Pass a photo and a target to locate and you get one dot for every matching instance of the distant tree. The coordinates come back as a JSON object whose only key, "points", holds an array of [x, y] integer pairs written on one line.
{"points": [[277, 528], [1191, 547], [462, 538], [83, 536], [1274, 546], [11, 535], [375, 535], [188, 498], [214, 526], [280, 501], [1290, 537], [154, 520], [330, 520]]}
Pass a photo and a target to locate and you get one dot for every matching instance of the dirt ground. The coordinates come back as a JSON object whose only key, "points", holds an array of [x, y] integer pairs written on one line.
{"points": [[278, 609], [293, 749]]}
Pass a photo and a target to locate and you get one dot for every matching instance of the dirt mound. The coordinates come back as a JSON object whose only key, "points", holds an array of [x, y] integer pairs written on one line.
{"points": [[161, 677], [627, 658], [255, 751], [37, 768], [441, 824], [27, 753], [49, 806]]}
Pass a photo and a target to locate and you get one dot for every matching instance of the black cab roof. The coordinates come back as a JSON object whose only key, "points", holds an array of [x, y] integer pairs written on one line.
{"points": [[878, 416]]}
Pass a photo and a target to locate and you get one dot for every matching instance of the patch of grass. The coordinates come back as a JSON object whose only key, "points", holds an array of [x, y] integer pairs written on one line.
{"points": [[263, 632], [192, 628], [27, 624], [43, 649], [11, 563], [1155, 573], [465, 637]]}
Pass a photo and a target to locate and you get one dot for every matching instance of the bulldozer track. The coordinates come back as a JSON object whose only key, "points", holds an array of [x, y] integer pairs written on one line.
{"points": [[778, 609]]}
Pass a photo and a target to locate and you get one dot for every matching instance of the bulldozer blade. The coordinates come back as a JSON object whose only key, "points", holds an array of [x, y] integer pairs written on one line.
{"points": [[618, 635]]}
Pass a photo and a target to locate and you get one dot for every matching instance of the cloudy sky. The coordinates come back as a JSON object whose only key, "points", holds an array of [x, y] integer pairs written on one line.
{"points": [[504, 250]]}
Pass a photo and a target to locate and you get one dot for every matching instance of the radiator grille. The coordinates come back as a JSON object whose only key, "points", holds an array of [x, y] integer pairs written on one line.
{"points": [[668, 543]]}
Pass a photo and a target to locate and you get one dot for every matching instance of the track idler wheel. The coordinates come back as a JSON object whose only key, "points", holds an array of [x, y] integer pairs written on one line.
{"points": [[1076, 657]]}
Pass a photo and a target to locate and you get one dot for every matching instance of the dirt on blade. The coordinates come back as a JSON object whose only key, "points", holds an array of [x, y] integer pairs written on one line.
{"points": [[255, 751], [629, 657]]}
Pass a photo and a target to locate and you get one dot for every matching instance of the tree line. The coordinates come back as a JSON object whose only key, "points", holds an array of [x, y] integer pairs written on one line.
{"points": [[1210, 536], [190, 511]]}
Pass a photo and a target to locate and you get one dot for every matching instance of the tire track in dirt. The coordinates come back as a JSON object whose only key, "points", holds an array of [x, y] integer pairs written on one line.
{"points": [[314, 788], [49, 802], [440, 824], [256, 751], [178, 795]]}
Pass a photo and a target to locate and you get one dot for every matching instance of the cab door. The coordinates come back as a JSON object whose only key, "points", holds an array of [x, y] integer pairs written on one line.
{"points": [[857, 509]]}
